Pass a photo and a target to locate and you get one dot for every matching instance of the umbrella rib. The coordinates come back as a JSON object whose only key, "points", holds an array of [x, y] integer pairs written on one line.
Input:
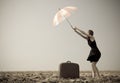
{"points": [[67, 19]]}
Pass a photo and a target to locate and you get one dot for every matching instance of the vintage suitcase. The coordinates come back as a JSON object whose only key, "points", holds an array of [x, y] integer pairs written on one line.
{"points": [[69, 70]]}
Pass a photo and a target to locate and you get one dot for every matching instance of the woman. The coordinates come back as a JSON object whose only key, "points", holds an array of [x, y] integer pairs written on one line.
{"points": [[94, 54]]}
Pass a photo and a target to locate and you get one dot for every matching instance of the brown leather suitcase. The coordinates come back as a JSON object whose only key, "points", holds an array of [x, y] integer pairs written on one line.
{"points": [[69, 70]]}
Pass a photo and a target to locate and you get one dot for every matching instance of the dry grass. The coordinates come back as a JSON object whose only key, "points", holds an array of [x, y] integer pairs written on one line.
{"points": [[53, 77]]}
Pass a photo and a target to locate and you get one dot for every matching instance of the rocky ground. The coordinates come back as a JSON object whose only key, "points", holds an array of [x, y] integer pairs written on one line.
{"points": [[53, 77]]}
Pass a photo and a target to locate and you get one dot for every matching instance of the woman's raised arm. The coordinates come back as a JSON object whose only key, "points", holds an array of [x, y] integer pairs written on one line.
{"points": [[80, 33], [87, 35]]}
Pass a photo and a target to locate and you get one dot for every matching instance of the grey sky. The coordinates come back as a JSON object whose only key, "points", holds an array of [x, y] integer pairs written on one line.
{"points": [[28, 41]]}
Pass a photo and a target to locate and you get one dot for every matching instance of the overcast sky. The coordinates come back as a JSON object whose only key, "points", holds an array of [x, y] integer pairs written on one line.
{"points": [[29, 41]]}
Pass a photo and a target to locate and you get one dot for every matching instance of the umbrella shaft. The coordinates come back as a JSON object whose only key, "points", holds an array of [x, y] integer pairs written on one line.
{"points": [[69, 22]]}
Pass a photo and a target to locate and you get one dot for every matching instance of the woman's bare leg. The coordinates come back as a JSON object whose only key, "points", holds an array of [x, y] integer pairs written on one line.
{"points": [[96, 70], [93, 70]]}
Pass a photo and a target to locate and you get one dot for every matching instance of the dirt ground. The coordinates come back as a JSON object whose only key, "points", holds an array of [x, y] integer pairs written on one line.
{"points": [[53, 77]]}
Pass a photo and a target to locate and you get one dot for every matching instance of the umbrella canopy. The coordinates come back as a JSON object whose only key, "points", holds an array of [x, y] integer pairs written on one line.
{"points": [[62, 14]]}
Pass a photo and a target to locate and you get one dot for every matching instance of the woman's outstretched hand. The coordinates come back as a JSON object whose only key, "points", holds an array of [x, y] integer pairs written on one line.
{"points": [[75, 28], [80, 32]]}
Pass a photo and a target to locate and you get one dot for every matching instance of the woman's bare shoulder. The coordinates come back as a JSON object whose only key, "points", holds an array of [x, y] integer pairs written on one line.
{"points": [[92, 38]]}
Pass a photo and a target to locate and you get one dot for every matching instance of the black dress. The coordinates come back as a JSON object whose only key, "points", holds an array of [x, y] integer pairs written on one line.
{"points": [[94, 54]]}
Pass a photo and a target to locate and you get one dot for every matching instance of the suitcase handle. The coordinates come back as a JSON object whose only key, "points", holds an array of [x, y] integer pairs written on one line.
{"points": [[68, 61]]}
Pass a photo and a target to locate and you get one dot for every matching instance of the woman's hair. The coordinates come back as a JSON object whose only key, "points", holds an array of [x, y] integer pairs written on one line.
{"points": [[91, 32]]}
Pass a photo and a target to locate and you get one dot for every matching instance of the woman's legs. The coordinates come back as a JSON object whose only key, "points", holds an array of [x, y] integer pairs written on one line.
{"points": [[95, 70]]}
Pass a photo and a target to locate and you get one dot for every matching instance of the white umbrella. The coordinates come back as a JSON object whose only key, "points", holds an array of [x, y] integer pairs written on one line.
{"points": [[62, 14]]}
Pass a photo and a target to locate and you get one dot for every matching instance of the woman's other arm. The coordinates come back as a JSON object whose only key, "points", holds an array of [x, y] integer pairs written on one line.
{"points": [[80, 33], [84, 34]]}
